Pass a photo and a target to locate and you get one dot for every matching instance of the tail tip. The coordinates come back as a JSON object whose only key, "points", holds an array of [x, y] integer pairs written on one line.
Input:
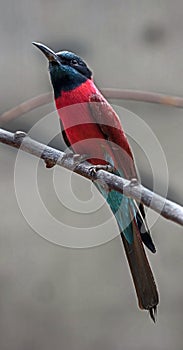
{"points": [[153, 313]]}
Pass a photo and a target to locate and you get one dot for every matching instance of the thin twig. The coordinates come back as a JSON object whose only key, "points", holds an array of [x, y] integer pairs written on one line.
{"points": [[133, 188], [25, 107], [133, 95]]}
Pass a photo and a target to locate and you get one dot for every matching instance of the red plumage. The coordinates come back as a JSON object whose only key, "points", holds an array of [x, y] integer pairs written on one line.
{"points": [[92, 127], [86, 115]]}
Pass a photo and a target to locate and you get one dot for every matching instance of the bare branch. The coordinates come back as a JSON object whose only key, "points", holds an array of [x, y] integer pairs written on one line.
{"points": [[118, 94], [25, 107], [133, 188]]}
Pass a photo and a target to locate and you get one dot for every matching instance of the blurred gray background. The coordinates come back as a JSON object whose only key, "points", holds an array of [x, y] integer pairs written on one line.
{"points": [[61, 298]]}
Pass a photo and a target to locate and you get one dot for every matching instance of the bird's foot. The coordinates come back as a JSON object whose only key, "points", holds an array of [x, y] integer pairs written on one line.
{"points": [[93, 169]]}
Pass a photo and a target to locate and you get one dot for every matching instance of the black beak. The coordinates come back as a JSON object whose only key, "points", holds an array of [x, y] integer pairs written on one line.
{"points": [[51, 55]]}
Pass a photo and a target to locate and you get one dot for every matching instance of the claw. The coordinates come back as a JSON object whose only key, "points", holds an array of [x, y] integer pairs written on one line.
{"points": [[93, 169]]}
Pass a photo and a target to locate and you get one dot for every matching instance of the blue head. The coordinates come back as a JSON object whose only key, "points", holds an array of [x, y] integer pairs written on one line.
{"points": [[67, 70]]}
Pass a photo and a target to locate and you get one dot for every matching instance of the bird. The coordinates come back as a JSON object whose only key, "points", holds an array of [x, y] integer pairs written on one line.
{"points": [[90, 126]]}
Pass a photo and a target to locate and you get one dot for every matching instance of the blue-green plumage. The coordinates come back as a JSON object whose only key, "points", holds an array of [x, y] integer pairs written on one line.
{"points": [[120, 206]]}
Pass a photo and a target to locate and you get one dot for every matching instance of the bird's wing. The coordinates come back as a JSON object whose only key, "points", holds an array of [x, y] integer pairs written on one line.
{"points": [[109, 124]]}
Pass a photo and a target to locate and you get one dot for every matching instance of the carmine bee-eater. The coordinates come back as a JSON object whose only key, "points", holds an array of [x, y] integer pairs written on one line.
{"points": [[90, 126]]}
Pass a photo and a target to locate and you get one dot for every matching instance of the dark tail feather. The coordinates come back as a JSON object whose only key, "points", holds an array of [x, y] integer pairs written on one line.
{"points": [[143, 279]]}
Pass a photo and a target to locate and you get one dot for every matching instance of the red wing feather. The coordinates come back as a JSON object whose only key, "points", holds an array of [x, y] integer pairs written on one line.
{"points": [[110, 125]]}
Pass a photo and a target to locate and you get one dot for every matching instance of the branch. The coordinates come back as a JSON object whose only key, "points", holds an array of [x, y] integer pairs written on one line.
{"points": [[117, 94], [25, 107], [133, 188]]}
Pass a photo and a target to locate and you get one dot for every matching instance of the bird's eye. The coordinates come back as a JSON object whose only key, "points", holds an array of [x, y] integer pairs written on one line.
{"points": [[74, 62]]}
